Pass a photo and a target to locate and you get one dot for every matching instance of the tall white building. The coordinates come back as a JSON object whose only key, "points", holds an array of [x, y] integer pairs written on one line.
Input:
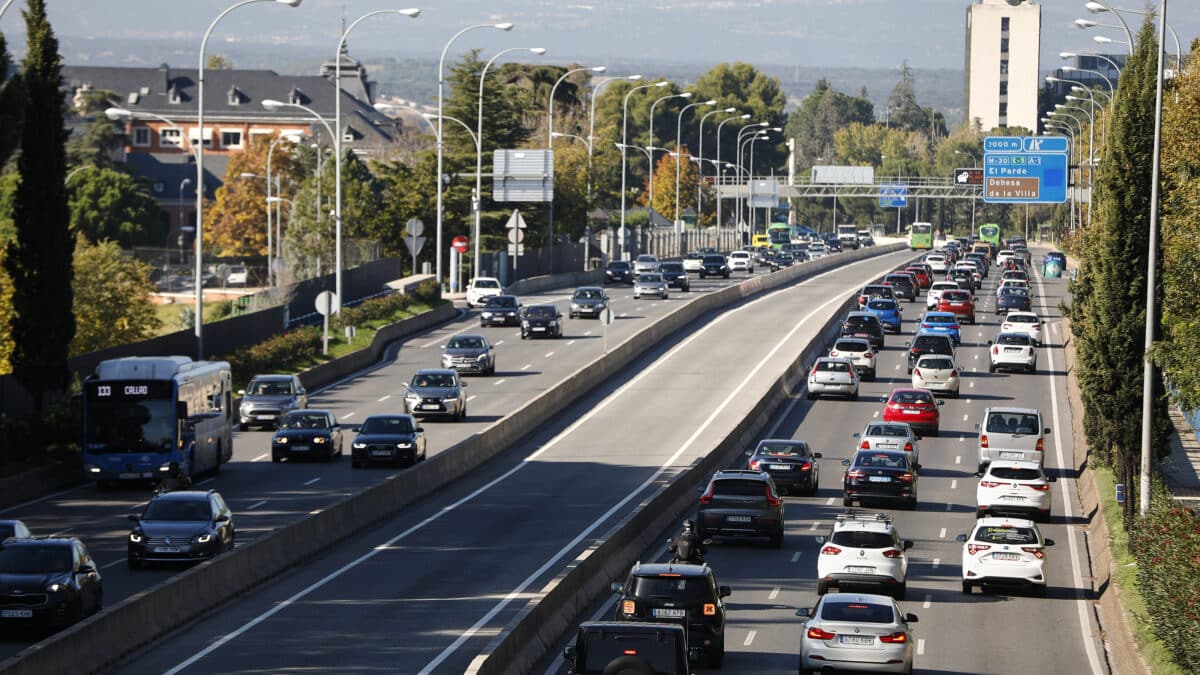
{"points": [[1003, 43]]}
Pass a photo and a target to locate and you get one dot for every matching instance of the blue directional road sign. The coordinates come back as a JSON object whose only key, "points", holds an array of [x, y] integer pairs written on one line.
{"points": [[893, 196], [1025, 169]]}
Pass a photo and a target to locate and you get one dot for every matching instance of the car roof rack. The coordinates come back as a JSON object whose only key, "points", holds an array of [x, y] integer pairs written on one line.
{"points": [[854, 515]]}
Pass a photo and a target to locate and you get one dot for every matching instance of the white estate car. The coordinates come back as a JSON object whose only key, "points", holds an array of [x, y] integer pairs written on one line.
{"points": [[482, 288], [937, 373], [860, 352], [1012, 351], [1014, 488], [1023, 322], [863, 549], [740, 261], [1004, 551], [937, 262]]}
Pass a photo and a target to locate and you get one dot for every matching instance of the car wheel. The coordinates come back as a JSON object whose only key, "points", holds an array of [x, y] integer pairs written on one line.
{"points": [[991, 367], [811, 396], [242, 427], [523, 335], [966, 587], [854, 396], [822, 587], [847, 501], [276, 458], [871, 375], [1039, 591], [716, 656], [777, 539]]}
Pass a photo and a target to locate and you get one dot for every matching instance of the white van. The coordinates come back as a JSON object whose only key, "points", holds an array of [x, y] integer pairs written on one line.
{"points": [[1011, 433]]}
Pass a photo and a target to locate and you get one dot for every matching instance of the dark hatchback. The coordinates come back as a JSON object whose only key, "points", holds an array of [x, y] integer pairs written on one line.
{"points": [[307, 434], [13, 529], [928, 343], [741, 504], [880, 475], [47, 583], [1013, 300], [792, 465], [714, 266], [183, 526], [500, 310], [541, 321], [675, 276], [588, 301], [864, 325], [602, 647], [387, 439], [833, 244], [618, 272], [903, 285], [682, 594]]}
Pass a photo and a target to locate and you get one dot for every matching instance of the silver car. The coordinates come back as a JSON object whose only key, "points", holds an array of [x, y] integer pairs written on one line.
{"points": [[269, 397], [890, 436], [937, 373], [650, 284], [436, 392], [645, 263], [856, 631], [470, 353], [833, 377]]}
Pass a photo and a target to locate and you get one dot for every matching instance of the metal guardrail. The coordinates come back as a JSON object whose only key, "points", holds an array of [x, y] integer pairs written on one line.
{"points": [[315, 319], [918, 187]]}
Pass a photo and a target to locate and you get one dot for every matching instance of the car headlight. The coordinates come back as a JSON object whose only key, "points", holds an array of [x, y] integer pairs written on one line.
{"points": [[450, 399], [245, 406], [524, 324], [486, 315], [135, 537], [600, 305], [411, 396], [446, 359], [319, 440], [481, 357], [56, 587], [553, 323], [204, 538], [404, 444], [91, 468], [282, 440], [289, 404], [358, 446]]}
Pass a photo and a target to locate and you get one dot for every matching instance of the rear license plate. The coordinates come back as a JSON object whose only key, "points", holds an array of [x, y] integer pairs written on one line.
{"points": [[1011, 455], [1005, 556], [856, 640], [1010, 498], [264, 417], [381, 453], [859, 569], [668, 613], [912, 412], [738, 519], [781, 467], [879, 479], [166, 549], [17, 614], [1012, 350]]}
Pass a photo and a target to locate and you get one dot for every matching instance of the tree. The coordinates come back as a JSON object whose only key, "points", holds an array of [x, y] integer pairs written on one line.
{"points": [[905, 113], [236, 224], [744, 87], [113, 307], [820, 115], [218, 62], [664, 185], [108, 204], [11, 109], [95, 146], [407, 192], [6, 317], [38, 261], [310, 232]]}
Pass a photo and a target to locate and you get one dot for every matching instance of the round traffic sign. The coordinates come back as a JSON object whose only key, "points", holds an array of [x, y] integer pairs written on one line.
{"points": [[460, 243], [327, 303], [516, 236], [415, 227]]}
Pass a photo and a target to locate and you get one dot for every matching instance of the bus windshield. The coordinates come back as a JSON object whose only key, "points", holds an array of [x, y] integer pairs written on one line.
{"points": [[921, 228], [780, 236], [130, 426]]}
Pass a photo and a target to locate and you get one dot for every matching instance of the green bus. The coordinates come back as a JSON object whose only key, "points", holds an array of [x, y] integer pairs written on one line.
{"points": [[990, 232], [920, 236], [779, 234]]}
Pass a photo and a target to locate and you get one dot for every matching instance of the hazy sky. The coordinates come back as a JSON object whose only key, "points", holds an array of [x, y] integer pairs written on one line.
{"points": [[863, 33]]}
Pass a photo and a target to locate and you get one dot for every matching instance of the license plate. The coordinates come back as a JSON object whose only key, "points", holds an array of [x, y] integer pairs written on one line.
{"points": [[738, 519], [17, 614], [381, 453], [1012, 455], [166, 549], [537, 328], [298, 448], [859, 569], [668, 613], [1012, 350], [131, 476], [264, 417], [1010, 498], [1005, 556], [912, 412], [781, 467], [430, 406], [856, 640], [879, 479]]}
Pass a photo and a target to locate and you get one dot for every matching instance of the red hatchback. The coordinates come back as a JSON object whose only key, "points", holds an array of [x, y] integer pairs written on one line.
{"points": [[960, 303], [924, 278], [917, 407]]}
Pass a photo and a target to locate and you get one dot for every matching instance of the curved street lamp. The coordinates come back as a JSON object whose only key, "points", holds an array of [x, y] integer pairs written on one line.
{"points": [[624, 145], [678, 147], [737, 176], [686, 94], [550, 146]]}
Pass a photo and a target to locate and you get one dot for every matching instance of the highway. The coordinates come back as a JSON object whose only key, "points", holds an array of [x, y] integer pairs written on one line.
{"points": [[266, 496], [427, 589], [980, 633]]}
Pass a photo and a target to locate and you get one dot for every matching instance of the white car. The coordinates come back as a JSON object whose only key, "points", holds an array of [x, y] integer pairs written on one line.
{"points": [[856, 631], [934, 295], [692, 262], [1015, 488], [817, 250], [937, 262], [1023, 322], [239, 275], [937, 373], [645, 263], [1007, 283], [1004, 551], [739, 261], [1004, 256], [1012, 351], [859, 352], [482, 288], [863, 549], [833, 377], [890, 436]]}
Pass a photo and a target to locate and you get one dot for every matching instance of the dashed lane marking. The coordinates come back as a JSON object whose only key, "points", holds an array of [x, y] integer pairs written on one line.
{"points": [[498, 382], [796, 556], [311, 481], [928, 601], [527, 366], [259, 458], [774, 593], [942, 534], [347, 416], [954, 484], [381, 399], [750, 638], [255, 505]]}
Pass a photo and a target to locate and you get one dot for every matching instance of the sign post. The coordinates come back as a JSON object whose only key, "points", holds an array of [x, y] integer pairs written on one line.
{"points": [[606, 318], [413, 240], [459, 244], [1025, 169], [327, 303], [516, 235]]}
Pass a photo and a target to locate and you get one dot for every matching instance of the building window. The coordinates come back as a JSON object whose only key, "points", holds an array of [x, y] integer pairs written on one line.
{"points": [[1004, 87], [231, 139], [1003, 45], [169, 137], [1003, 67], [141, 137], [1003, 111], [1004, 24]]}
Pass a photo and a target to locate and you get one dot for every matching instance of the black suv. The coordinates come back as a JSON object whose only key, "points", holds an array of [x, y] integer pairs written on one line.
{"points": [[741, 503], [618, 272], [683, 594], [675, 276], [49, 582], [714, 265], [621, 646], [928, 343], [864, 325]]}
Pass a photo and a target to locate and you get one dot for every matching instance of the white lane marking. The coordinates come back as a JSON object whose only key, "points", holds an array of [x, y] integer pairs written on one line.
{"points": [[974, 369], [260, 457], [527, 366], [942, 534], [432, 344], [954, 484], [962, 439], [1081, 603], [920, 646], [965, 418], [980, 333], [255, 505], [976, 357], [796, 557], [52, 495], [312, 481], [587, 333], [972, 385], [897, 366], [1053, 326], [928, 601], [113, 563], [636, 309], [498, 383], [471, 397], [815, 525], [936, 562], [829, 502], [949, 505], [549, 354], [347, 415], [749, 638], [280, 606], [774, 593], [383, 398], [875, 414], [571, 342], [968, 401], [499, 342], [623, 314]]}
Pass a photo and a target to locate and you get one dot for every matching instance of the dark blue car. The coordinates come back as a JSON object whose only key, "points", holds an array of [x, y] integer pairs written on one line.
{"points": [[888, 312], [941, 323]]}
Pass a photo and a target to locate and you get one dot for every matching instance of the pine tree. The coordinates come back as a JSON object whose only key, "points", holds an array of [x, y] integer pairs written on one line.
{"points": [[39, 260]]}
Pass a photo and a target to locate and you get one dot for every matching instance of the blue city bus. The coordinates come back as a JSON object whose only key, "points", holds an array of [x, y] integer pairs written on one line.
{"points": [[142, 413]]}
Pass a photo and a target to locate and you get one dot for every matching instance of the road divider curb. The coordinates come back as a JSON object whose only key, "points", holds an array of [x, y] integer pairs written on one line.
{"points": [[100, 641]]}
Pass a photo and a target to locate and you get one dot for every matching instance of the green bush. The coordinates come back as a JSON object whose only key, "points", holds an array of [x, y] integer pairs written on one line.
{"points": [[374, 309], [278, 353], [55, 434], [1167, 546]]}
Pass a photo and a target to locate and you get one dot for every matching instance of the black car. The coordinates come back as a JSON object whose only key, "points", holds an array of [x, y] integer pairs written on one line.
{"points": [[307, 434], [714, 265], [1013, 300], [13, 528], [880, 474], [622, 646], [741, 504], [675, 276], [47, 583], [864, 325], [791, 464], [500, 310], [874, 291], [902, 285], [588, 301], [782, 259], [833, 244], [387, 439], [618, 272], [183, 526], [964, 278], [677, 593], [541, 321], [928, 343]]}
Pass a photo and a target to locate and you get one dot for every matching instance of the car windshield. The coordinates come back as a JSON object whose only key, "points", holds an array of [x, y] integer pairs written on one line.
{"points": [[671, 267], [738, 487], [540, 312], [646, 258], [588, 294], [956, 296], [190, 510], [862, 539], [270, 387], [7, 530], [487, 283], [1014, 290], [464, 342], [1014, 473], [1021, 318], [861, 321], [618, 265], [682, 590], [1011, 339], [650, 278], [35, 559], [782, 450], [833, 366], [852, 345], [887, 430], [387, 425], [928, 342], [505, 301], [936, 364], [1006, 535], [304, 421], [912, 397], [427, 380], [940, 318], [714, 259], [882, 460], [882, 304], [857, 612], [897, 279], [1012, 423]]}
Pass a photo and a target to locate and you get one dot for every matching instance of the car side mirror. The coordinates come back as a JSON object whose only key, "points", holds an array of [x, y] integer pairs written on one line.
{"points": [[569, 654], [725, 591], [855, 434], [989, 343], [911, 618], [804, 612], [617, 587], [1046, 430], [749, 453], [908, 344], [420, 430], [223, 518], [356, 428], [132, 518], [845, 462], [464, 385], [961, 538], [918, 436], [941, 401], [976, 427], [1049, 542], [706, 542], [817, 455], [241, 392], [908, 543], [86, 568]]}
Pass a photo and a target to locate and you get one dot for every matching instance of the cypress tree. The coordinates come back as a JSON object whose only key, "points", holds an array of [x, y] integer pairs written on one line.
{"points": [[10, 105], [39, 260]]}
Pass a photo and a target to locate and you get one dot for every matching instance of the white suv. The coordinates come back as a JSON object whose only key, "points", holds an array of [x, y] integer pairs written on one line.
{"points": [[937, 262], [1023, 322], [1012, 351], [645, 263], [1004, 551], [482, 288], [934, 295], [863, 549], [860, 352], [741, 261], [1019, 488]]}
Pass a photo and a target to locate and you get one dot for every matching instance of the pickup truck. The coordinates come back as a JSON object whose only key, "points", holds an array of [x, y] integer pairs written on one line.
{"points": [[848, 235]]}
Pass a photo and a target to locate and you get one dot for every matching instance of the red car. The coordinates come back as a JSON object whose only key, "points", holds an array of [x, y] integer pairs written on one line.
{"points": [[917, 407], [924, 279], [960, 303]]}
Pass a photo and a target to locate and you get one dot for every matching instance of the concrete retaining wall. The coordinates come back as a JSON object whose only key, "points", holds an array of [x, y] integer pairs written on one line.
{"points": [[101, 640], [547, 282]]}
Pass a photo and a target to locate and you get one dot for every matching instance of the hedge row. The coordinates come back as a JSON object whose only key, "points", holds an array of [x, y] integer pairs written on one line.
{"points": [[1167, 547], [276, 353]]}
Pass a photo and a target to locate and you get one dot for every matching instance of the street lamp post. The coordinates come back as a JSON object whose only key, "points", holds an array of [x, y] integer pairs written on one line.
{"points": [[678, 146], [183, 184], [440, 136], [686, 94], [596, 87], [975, 164], [1101, 7], [1084, 24], [550, 146], [750, 142], [198, 319], [700, 165], [744, 116], [750, 128], [624, 145]]}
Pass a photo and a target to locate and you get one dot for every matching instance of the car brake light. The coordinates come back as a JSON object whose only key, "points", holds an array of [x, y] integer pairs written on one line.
{"points": [[629, 652], [899, 637], [1040, 487], [972, 549], [818, 634], [990, 483], [908, 447], [710, 609], [854, 473], [906, 477], [805, 466], [628, 607], [892, 553], [864, 445], [1035, 550], [995, 349], [831, 550], [1040, 445], [706, 498], [953, 373], [754, 464], [833, 353], [814, 372], [916, 372], [1006, 326], [983, 441], [772, 500]]}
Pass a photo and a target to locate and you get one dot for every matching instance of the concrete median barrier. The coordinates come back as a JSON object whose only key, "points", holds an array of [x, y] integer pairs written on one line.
{"points": [[96, 643]]}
